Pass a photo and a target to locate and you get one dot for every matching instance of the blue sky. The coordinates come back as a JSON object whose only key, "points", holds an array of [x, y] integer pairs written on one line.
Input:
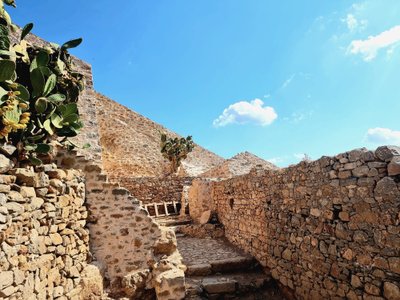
{"points": [[276, 78]]}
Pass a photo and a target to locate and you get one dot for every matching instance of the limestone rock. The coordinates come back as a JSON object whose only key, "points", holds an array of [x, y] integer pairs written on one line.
{"points": [[385, 153], [205, 217], [386, 188], [391, 291], [6, 279], [92, 283], [214, 286], [5, 164], [134, 283], [166, 244], [170, 285], [394, 166], [7, 149]]}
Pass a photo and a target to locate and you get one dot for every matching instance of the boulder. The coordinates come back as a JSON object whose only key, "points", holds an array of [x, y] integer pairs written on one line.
{"points": [[7, 149], [394, 166], [385, 153], [205, 217], [391, 291]]}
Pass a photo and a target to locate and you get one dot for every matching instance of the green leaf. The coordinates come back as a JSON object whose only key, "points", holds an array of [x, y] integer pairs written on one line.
{"points": [[30, 147], [70, 119], [42, 59], [3, 93], [57, 98], [71, 44], [35, 161], [7, 69], [10, 2], [24, 93], [86, 146], [68, 109], [50, 84], [43, 148], [41, 105], [27, 28], [47, 127], [57, 121], [37, 80]]}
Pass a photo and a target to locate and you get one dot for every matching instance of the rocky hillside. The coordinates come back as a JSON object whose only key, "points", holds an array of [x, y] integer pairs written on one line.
{"points": [[240, 164], [131, 144]]}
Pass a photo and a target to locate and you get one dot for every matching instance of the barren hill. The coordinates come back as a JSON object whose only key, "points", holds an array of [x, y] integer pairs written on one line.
{"points": [[240, 164], [131, 144]]}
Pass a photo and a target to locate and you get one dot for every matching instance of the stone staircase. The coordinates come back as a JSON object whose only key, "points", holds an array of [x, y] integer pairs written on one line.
{"points": [[218, 270]]}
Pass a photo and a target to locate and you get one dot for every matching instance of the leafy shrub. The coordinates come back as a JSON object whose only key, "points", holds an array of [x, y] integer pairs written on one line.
{"points": [[176, 149], [39, 90]]}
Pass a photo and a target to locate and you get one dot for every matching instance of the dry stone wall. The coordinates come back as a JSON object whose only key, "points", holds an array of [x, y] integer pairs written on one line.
{"points": [[44, 242], [328, 229], [135, 254], [155, 189]]}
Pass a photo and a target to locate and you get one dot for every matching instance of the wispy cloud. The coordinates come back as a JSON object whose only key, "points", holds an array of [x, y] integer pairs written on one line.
{"points": [[276, 160], [297, 117], [382, 136], [370, 47], [247, 112], [288, 81], [353, 24]]}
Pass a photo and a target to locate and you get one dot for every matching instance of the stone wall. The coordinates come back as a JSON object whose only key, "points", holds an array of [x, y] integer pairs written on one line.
{"points": [[327, 229], [43, 239], [135, 254], [155, 189]]}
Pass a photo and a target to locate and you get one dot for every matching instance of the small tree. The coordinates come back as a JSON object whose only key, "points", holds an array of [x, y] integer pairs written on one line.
{"points": [[176, 150]]}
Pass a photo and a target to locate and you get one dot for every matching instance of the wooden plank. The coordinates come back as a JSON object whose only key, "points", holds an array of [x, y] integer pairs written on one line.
{"points": [[166, 208], [156, 209]]}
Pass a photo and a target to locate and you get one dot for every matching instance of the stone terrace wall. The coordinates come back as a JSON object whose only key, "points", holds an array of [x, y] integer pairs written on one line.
{"points": [[134, 253], [156, 189], [328, 229], [43, 240]]}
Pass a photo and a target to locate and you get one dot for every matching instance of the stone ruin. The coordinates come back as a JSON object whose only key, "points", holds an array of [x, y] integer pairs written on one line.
{"points": [[86, 227]]}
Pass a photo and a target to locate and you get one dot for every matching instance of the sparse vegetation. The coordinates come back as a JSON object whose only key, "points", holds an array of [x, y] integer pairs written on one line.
{"points": [[176, 150], [38, 92]]}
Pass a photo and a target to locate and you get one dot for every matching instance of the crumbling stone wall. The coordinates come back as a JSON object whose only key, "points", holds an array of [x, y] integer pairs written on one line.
{"points": [[327, 229], [43, 239], [155, 189], [134, 253]]}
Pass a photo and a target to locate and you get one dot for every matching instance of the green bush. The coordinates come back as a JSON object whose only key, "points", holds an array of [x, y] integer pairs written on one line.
{"points": [[39, 91], [176, 150]]}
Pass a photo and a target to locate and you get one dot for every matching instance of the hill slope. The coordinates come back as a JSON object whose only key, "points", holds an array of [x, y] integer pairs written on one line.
{"points": [[131, 144], [240, 164]]}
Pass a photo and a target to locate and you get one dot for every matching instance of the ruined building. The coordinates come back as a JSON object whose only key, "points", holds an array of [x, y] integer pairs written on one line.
{"points": [[106, 223]]}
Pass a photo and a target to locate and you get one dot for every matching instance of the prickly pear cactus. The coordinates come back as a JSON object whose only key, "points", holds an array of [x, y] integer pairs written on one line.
{"points": [[176, 150], [38, 92]]}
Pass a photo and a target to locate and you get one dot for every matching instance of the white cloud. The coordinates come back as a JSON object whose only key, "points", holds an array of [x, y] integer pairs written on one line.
{"points": [[383, 136], [247, 112], [351, 22], [354, 24], [369, 48]]}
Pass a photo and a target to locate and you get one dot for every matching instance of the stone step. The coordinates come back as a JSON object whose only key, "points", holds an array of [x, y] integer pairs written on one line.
{"points": [[243, 285], [228, 265], [173, 221]]}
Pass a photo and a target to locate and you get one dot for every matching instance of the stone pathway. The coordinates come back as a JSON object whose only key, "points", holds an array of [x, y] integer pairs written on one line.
{"points": [[218, 270]]}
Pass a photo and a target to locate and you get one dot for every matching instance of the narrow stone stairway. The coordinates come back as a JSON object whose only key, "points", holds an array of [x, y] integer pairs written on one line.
{"points": [[218, 270]]}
